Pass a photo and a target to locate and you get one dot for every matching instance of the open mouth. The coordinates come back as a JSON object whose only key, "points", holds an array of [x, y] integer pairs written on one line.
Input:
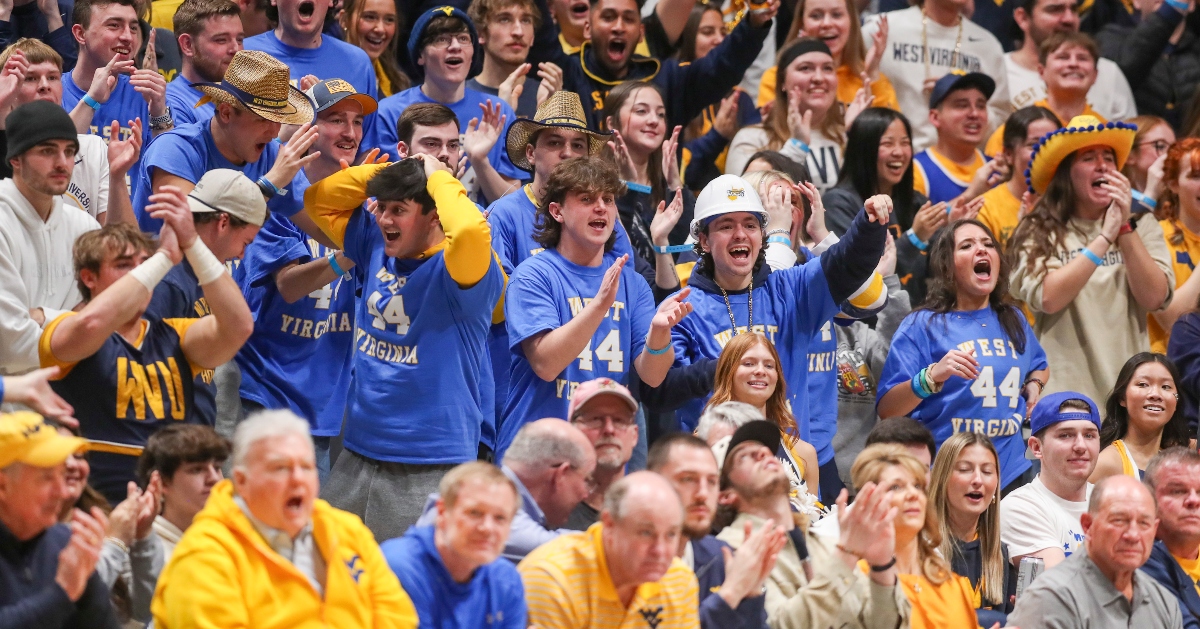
{"points": [[306, 9], [293, 504], [1154, 408], [598, 224], [347, 146], [983, 269], [579, 10], [1099, 183], [454, 62], [740, 253], [260, 146], [123, 50], [975, 495], [374, 40], [391, 236], [616, 48], [973, 128], [896, 167], [757, 384]]}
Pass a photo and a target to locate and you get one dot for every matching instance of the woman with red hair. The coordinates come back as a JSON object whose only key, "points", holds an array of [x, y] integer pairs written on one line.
{"points": [[1179, 215]]}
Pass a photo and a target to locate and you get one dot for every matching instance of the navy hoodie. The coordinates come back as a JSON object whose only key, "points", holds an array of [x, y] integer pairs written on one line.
{"points": [[29, 596]]}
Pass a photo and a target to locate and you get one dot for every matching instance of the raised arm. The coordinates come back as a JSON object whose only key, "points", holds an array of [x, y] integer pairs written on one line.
{"points": [[468, 237], [331, 202], [296, 280], [707, 80], [849, 264]]}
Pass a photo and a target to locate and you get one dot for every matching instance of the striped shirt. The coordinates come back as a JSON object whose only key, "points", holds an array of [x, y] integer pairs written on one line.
{"points": [[567, 586]]}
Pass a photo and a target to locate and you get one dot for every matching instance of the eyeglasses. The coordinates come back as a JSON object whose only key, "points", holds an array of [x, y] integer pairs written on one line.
{"points": [[1159, 146], [620, 423], [444, 41]]}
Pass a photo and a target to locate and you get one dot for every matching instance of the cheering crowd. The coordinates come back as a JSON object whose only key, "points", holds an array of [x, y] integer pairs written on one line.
{"points": [[599, 313]]}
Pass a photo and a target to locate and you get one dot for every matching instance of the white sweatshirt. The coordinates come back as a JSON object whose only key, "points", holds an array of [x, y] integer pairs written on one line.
{"points": [[904, 65], [89, 181], [1110, 96], [36, 271]]}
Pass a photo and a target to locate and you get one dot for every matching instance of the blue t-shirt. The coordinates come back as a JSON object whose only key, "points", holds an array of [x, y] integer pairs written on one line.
{"points": [[545, 293], [182, 99], [333, 59], [189, 152], [299, 355], [992, 403], [494, 597], [822, 391], [790, 307], [384, 134], [123, 105], [419, 341]]}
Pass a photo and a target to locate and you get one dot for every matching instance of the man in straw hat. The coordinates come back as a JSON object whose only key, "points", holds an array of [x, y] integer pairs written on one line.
{"points": [[127, 374], [1087, 267], [302, 292], [429, 284], [47, 568], [252, 102]]}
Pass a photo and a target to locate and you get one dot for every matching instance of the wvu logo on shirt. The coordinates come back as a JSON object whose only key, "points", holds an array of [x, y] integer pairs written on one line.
{"points": [[143, 386], [652, 616], [352, 565]]}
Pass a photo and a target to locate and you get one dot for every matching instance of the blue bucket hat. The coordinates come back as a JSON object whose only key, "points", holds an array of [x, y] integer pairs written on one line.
{"points": [[1046, 413], [418, 31]]}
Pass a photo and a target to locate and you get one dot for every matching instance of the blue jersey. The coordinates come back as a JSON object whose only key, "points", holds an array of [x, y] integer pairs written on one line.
{"points": [[333, 59], [546, 292], [299, 355], [790, 307], [822, 391], [992, 403], [182, 99], [419, 341], [940, 179], [384, 135], [123, 105], [124, 393], [179, 296], [189, 152]]}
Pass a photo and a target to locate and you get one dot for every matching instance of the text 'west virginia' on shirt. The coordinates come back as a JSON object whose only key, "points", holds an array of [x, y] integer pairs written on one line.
{"points": [[300, 354], [188, 152], [1033, 518], [568, 586], [124, 104], [991, 404], [182, 99], [124, 393], [421, 325], [545, 293]]}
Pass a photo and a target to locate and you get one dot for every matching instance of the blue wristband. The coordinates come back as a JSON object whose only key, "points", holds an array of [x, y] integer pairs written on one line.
{"points": [[800, 145], [918, 389], [1091, 255], [672, 248], [332, 258], [1182, 7], [917, 242], [656, 352], [783, 240], [637, 187], [1144, 200], [266, 183], [91, 102]]}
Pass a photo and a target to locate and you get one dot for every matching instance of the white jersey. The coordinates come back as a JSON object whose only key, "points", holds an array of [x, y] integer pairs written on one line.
{"points": [[1111, 96], [88, 189], [1033, 518], [908, 61]]}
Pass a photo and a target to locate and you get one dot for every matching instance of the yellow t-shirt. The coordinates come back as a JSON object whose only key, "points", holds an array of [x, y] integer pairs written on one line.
{"points": [[1192, 568], [939, 606], [568, 586], [848, 85], [999, 212], [995, 143], [162, 13], [1184, 257]]}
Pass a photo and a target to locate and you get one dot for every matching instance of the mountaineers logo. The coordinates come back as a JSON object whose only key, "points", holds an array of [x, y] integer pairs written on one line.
{"points": [[734, 193], [652, 616], [337, 85], [446, 10]]}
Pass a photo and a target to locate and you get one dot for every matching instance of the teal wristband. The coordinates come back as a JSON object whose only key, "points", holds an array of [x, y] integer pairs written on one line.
{"points": [[783, 240], [91, 102], [637, 187], [1144, 200], [672, 248], [916, 242], [332, 258], [1091, 255], [918, 385], [800, 145], [657, 352], [1182, 7]]}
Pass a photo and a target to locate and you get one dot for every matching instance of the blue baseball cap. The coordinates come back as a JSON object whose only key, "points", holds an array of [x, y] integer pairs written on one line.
{"points": [[959, 80], [418, 31], [1046, 413]]}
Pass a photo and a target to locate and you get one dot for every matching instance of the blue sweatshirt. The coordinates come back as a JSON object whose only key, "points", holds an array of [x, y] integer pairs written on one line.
{"points": [[494, 597], [29, 596], [1166, 570]]}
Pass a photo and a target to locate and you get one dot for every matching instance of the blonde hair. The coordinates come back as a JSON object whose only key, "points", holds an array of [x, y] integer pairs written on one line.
{"points": [[777, 410], [991, 578], [869, 467]]}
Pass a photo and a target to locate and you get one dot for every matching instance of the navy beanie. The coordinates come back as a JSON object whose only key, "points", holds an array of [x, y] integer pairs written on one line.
{"points": [[418, 31]]}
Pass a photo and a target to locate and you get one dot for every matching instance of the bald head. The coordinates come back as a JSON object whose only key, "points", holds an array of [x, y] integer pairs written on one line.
{"points": [[548, 442], [1120, 488], [1120, 525], [642, 491], [643, 522]]}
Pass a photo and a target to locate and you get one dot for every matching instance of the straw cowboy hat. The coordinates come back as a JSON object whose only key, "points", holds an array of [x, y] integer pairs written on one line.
{"points": [[564, 110], [260, 83], [1080, 133]]}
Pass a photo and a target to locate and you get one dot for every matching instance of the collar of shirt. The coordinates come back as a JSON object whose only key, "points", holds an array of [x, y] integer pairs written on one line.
{"points": [[528, 504], [1105, 592], [689, 557], [300, 550]]}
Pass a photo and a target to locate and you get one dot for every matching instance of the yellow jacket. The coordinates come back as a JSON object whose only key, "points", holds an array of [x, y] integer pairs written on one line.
{"points": [[224, 575]]}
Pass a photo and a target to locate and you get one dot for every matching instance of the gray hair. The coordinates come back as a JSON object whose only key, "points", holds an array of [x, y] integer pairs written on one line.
{"points": [[536, 444], [266, 425], [1177, 455], [732, 414]]}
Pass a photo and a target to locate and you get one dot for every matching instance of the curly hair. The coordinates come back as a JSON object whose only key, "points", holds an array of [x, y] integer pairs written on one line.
{"points": [[578, 174], [1185, 152]]}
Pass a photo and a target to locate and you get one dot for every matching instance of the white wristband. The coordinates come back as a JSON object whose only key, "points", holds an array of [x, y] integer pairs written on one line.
{"points": [[151, 272], [205, 265]]}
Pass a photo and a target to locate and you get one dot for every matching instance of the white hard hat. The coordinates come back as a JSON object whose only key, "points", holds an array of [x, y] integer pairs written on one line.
{"points": [[725, 195]]}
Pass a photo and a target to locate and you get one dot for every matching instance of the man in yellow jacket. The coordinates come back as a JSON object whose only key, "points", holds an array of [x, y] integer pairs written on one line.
{"points": [[266, 553]]}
